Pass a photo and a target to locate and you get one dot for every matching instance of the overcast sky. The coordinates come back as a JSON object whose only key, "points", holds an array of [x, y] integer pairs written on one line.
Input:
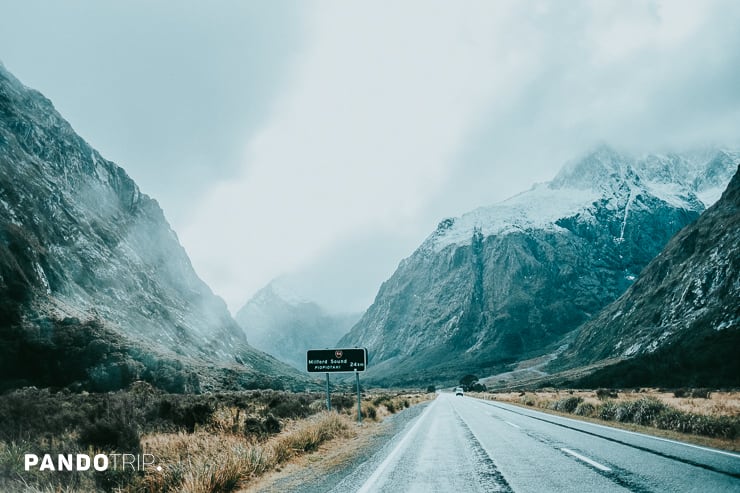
{"points": [[325, 140]]}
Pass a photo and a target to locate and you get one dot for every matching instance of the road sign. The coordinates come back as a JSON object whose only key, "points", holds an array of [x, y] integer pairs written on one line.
{"points": [[336, 360]]}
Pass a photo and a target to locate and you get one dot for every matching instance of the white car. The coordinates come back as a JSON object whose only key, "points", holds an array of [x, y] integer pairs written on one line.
{"points": [[458, 391]]}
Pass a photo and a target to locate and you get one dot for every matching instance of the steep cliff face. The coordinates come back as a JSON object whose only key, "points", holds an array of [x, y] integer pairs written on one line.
{"points": [[286, 326], [679, 323], [506, 282], [86, 259]]}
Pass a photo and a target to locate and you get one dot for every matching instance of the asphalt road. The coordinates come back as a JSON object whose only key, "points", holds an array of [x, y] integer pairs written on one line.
{"points": [[462, 445]]}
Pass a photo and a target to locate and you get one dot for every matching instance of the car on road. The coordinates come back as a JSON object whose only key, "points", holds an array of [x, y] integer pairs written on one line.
{"points": [[458, 391]]}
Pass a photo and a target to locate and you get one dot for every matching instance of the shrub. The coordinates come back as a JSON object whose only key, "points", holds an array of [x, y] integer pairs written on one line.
{"points": [[340, 402], [701, 393], [272, 424], [527, 400], [604, 394], [111, 433], [647, 410], [714, 426], [672, 419], [290, 407], [625, 412], [186, 413], [369, 411], [567, 405], [680, 393], [608, 411], [584, 409], [389, 402], [467, 381], [262, 428]]}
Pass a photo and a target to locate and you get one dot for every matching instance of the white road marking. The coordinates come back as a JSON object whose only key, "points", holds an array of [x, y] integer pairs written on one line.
{"points": [[586, 459], [372, 481], [512, 424], [611, 428]]}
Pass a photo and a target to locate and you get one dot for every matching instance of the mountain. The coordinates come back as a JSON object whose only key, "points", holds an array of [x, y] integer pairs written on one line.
{"points": [[95, 289], [679, 323], [286, 326], [508, 282]]}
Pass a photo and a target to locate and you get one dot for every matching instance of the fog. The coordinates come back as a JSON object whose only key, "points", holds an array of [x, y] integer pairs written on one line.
{"points": [[324, 141]]}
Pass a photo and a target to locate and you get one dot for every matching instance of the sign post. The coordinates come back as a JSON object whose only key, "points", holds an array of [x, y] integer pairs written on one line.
{"points": [[359, 399], [336, 361], [328, 394]]}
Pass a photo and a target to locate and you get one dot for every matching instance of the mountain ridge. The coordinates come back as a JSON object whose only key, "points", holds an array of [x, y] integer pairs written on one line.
{"points": [[508, 281], [285, 325], [85, 255], [680, 320]]}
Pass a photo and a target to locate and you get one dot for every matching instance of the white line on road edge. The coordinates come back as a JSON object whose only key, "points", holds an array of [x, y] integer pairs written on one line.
{"points": [[512, 424], [586, 459], [502, 405], [373, 479]]}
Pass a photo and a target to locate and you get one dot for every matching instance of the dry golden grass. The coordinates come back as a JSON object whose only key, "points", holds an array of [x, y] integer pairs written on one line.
{"points": [[205, 462], [225, 441], [718, 403], [720, 409], [377, 407], [220, 458]]}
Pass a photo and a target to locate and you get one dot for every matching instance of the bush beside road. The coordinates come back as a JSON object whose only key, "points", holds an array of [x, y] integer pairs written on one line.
{"points": [[696, 415]]}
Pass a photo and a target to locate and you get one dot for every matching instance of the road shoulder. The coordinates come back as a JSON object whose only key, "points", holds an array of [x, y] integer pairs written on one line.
{"points": [[324, 469]]}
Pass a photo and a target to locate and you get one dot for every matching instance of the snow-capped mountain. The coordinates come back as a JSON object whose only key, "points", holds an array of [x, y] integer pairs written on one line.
{"points": [[95, 288], [281, 323], [679, 323], [508, 281]]}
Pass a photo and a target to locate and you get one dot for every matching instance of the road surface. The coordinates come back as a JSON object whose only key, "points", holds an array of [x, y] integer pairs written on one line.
{"points": [[465, 445]]}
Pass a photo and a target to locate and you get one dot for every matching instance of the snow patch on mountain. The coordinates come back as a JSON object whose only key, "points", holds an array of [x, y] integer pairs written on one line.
{"points": [[693, 181], [537, 208]]}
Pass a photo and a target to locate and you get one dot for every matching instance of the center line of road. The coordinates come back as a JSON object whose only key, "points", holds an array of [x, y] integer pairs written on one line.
{"points": [[513, 425], [601, 467]]}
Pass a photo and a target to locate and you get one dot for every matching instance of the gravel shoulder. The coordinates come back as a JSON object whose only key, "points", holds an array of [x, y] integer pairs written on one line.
{"points": [[321, 471]]}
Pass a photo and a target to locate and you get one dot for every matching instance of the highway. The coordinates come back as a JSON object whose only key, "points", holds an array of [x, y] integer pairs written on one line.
{"points": [[461, 444]]}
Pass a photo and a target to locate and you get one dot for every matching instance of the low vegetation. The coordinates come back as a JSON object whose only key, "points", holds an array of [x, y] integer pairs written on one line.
{"points": [[204, 443], [694, 411]]}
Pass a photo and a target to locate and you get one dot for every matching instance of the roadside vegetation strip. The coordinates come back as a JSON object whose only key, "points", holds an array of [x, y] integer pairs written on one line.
{"points": [[203, 443], [206, 462], [718, 420]]}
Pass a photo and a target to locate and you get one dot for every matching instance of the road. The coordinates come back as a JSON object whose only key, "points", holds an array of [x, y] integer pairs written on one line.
{"points": [[465, 445]]}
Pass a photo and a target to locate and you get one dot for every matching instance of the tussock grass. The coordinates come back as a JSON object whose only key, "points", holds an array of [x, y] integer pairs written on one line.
{"points": [[205, 462], [204, 443], [697, 411]]}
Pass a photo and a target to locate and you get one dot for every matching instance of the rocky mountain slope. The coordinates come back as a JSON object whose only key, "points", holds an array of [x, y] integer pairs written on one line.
{"points": [[281, 324], [507, 282], [679, 323], [95, 289]]}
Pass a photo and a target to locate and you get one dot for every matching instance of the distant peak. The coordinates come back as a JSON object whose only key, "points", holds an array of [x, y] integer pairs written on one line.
{"points": [[277, 288], [590, 171]]}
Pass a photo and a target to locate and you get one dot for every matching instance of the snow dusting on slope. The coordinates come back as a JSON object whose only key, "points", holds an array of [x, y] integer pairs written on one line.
{"points": [[537, 208], [693, 181]]}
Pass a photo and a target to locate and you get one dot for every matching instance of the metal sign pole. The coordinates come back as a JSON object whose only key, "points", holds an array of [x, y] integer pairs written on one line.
{"points": [[359, 399], [328, 395]]}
